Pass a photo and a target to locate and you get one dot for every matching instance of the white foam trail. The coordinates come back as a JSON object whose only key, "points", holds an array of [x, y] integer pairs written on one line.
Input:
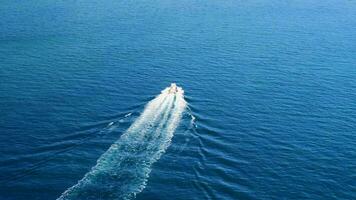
{"points": [[123, 170]]}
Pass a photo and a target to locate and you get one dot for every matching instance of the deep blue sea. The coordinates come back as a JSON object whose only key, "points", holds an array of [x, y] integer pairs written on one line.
{"points": [[270, 99]]}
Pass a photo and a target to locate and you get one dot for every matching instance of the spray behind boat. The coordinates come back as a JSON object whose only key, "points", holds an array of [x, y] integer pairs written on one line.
{"points": [[123, 170]]}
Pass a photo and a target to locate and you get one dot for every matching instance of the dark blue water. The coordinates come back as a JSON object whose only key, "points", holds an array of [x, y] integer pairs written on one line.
{"points": [[270, 83]]}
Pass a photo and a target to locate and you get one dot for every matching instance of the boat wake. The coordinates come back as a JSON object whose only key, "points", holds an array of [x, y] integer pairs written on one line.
{"points": [[123, 170]]}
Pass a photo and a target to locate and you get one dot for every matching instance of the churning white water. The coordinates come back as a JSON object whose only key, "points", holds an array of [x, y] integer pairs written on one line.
{"points": [[123, 170]]}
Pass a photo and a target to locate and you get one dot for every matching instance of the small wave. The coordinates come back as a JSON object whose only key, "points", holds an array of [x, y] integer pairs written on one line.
{"points": [[128, 115]]}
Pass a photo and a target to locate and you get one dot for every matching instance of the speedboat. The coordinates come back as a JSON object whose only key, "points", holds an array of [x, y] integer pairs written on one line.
{"points": [[173, 89]]}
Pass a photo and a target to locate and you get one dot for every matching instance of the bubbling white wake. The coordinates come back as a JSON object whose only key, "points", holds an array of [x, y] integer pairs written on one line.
{"points": [[123, 170]]}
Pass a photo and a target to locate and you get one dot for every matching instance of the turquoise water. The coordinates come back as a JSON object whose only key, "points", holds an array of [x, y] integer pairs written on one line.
{"points": [[269, 89]]}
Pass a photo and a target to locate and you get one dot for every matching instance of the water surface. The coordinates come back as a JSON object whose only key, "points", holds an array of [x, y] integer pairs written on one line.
{"points": [[270, 83]]}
